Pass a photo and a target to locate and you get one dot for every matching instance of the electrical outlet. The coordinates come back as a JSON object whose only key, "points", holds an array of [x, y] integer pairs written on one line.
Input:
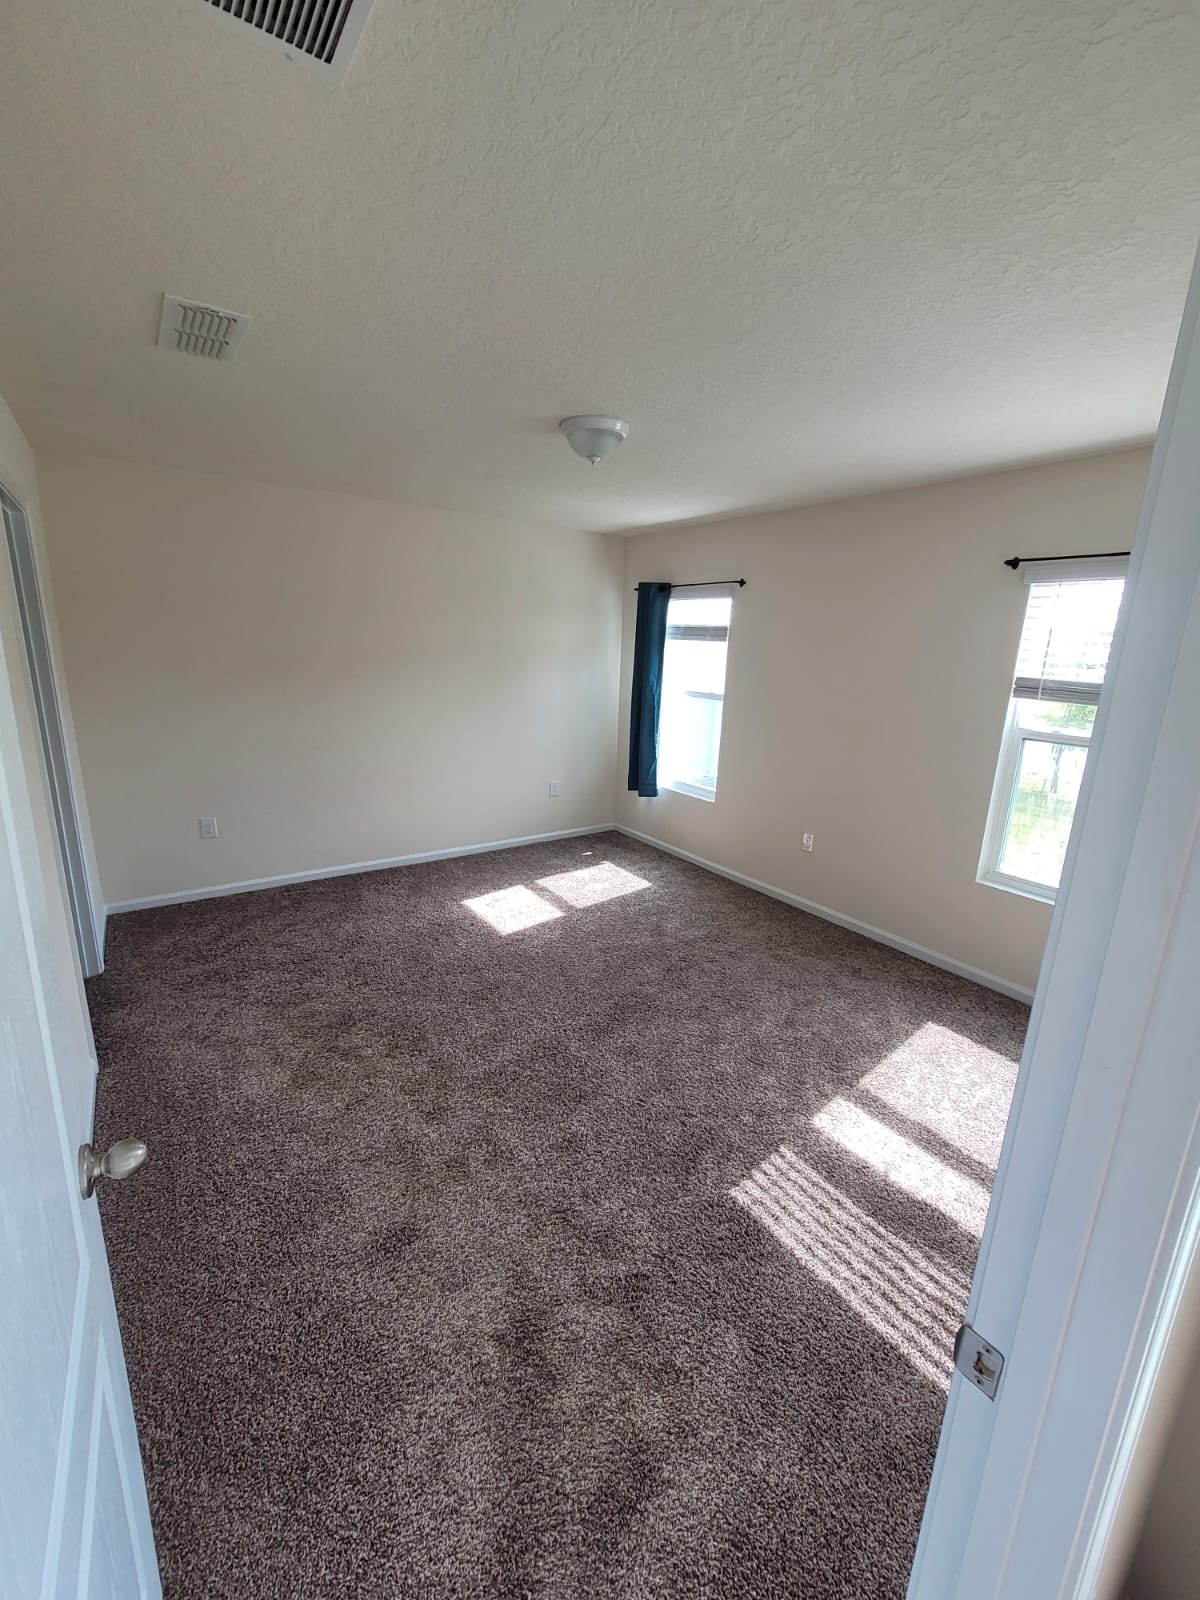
{"points": [[806, 842], [208, 827], [554, 787]]}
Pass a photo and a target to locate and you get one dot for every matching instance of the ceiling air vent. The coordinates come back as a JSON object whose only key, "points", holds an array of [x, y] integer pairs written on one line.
{"points": [[322, 33], [196, 330]]}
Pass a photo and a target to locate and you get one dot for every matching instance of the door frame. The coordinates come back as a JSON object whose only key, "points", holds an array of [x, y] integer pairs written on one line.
{"points": [[1092, 1237], [22, 555]]}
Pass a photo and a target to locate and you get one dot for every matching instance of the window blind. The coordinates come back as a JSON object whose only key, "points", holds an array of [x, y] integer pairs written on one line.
{"points": [[1066, 640], [700, 618], [710, 632]]}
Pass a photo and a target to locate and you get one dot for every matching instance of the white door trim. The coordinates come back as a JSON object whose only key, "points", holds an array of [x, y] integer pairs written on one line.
{"points": [[1093, 1228], [88, 928], [61, 1363]]}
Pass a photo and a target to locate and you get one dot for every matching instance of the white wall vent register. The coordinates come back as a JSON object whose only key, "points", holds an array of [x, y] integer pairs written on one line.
{"points": [[321, 33], [198, 330]]}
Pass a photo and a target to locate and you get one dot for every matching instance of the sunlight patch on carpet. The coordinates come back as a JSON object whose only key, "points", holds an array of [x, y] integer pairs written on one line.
{"points": [[590, 886], [905, 1294], [905, 1164], [510, 910], [952, 1086]]}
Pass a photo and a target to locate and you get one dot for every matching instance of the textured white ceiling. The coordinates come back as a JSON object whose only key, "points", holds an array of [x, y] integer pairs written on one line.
{"points": [[806, 249]]}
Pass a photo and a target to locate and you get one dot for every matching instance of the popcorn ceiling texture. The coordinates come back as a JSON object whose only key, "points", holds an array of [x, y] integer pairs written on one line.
{"points": [[807, 249], [514, 1266]]}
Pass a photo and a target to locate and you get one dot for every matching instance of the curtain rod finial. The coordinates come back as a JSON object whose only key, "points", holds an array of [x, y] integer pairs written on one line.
{"points": [[1014, 562]]}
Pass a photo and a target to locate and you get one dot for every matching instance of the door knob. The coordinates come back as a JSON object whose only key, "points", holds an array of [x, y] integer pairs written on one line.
{"points": [[121, 1160]]}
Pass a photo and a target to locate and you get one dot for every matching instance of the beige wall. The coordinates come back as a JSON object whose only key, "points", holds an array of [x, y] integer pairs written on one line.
{"points": [[870, 663], [335, 679], [341, 680]]}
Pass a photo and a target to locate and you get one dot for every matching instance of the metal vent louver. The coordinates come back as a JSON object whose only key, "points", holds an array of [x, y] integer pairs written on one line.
{"points": [[322, 33], [199, 330]]}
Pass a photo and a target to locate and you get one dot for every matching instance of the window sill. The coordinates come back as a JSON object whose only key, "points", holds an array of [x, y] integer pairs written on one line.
{"points": [[679, 786], [1021, 886]]}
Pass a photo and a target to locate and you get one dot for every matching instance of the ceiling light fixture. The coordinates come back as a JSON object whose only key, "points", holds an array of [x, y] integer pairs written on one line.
{"points": [[593, 438]]}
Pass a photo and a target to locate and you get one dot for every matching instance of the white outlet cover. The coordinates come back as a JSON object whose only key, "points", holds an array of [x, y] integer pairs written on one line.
{"points": [[554, 788], [807, 841], [208, 827]]}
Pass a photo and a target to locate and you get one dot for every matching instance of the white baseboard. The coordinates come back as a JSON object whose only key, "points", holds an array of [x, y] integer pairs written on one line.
{"points": [[248, 885], [215, 890], [935, 959]]}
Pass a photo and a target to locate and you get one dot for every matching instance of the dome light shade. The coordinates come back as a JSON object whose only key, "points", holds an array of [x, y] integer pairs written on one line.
{"points": [[593, 438]]}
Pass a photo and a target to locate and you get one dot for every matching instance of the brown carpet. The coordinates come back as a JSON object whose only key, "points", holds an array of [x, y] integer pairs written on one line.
{"points": [[572, 1261]]}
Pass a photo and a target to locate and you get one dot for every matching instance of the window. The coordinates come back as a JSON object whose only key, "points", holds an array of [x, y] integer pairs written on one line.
{"points": [[693, 693], [1069, 621]]}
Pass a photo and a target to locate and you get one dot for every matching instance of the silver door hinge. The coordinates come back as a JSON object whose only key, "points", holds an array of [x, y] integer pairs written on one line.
{"points": [[978, 1361]]}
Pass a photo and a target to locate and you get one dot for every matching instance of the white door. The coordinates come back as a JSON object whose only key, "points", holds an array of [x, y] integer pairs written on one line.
{"points": [[1096, 1212], [73, 1514]]}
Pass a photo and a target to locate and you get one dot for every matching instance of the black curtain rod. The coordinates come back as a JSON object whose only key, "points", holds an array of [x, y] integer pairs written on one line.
{"points": [[715, 583], [1093, 555]]}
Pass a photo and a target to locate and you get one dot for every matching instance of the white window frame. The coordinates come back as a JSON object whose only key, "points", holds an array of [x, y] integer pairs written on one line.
{"points": [[682, 786], [1004, 792], [1009, 763], [706, 592]]}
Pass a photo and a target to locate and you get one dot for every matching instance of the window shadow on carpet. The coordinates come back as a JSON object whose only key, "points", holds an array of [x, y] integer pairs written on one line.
{"points": [[928, 1121], [901, 1291]]}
